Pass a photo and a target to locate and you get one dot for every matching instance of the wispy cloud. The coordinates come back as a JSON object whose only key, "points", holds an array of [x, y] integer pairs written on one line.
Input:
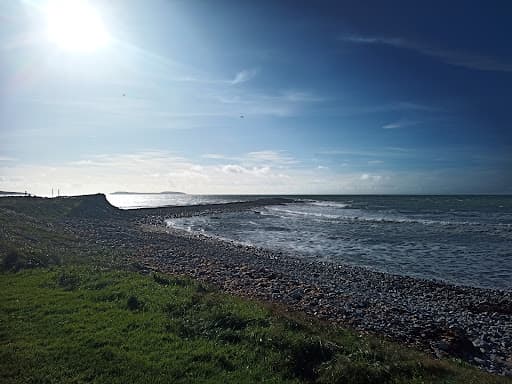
{"points": [[214, 156], [396, 106], [367, 177], [458, 58], [6, 158], [369, 152], [300, 96], [250, 159], [280, 157], [400, 124], [156, 170], [392, 125], [282, 103], [235, 168], [399, 149], [160, 170], [244, 75]]}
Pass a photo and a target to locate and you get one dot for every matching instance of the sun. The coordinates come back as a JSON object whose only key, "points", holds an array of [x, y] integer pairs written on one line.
{"points": [[74, 25]]}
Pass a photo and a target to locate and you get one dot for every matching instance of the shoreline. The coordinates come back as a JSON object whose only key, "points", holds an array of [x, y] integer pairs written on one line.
{"points": [[474, 324], [207, 236]]}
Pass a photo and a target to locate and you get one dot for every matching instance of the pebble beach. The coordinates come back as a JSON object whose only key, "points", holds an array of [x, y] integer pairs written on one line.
{"points": [[473, 324]]}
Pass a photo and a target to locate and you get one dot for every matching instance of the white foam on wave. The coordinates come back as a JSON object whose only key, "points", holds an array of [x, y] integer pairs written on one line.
{"points": [[406, 220], [328, 204], [203, 233], [361, 215], [302, 213], [184, 227]]}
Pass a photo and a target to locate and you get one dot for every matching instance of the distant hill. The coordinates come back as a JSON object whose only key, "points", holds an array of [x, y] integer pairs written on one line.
{"points": [[148, 193], [11, 193]]}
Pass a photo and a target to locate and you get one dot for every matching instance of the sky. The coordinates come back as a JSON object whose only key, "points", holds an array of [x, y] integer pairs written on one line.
{"points": [[264, 97]]}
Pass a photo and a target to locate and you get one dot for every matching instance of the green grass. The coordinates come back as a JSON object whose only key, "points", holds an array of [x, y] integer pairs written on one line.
{"points": [[86, 324], [38, 240], [40, 207]]}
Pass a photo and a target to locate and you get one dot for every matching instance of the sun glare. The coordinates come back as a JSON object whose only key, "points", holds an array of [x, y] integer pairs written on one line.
{"points": [[75, 25]]}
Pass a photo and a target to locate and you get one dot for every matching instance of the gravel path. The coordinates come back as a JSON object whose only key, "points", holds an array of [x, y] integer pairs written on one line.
{"points": [[473, 324]]}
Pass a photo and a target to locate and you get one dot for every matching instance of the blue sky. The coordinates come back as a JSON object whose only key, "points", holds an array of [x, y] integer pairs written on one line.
{"points": [[336, 97]]}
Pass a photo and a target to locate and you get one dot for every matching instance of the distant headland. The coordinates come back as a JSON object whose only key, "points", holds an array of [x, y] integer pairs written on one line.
{"points": [[12, 193], [148, 193]]}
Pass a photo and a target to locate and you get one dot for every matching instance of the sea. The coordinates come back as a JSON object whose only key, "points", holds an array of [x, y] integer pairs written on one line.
{"points": [[464, 240]]}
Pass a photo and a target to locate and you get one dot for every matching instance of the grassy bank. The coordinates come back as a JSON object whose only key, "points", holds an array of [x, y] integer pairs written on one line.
{"points": [[32, 234], [70, 314], [83, 324]]}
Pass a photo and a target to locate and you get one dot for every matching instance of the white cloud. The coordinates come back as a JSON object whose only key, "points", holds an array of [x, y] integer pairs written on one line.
{"points": [[399, 149], [271, 156], [215, 156], [249, 103], [399, 124], [276, 158], [366, 176], [392, 126], [244, 76], [262, 170], [233, 168], [6, 158], [458, 58], [149, 171], [375, 162], [158, 171], [196, 168], [369, 153]]}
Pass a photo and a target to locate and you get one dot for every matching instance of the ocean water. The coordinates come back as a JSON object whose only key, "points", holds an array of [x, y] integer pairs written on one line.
{"points": [[460, 239], [133, 201]]}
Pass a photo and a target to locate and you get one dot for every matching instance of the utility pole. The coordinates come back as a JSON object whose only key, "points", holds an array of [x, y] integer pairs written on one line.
{"points": [[52, 192]]}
